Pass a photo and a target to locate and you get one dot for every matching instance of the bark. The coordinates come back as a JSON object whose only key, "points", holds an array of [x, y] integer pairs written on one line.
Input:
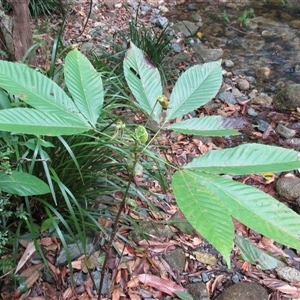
{"points": [[22, 34]]}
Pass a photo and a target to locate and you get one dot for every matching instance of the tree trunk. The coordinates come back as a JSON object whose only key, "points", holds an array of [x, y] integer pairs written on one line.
{"points": [[22, 34]]}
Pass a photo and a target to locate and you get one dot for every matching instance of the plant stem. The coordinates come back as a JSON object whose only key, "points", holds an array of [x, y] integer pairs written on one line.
{"points": [[115, 227]]}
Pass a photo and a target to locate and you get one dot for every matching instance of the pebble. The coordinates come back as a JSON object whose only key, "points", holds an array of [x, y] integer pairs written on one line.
{"points": [[244, 291], [263, 73], [236, 278], [227, 97], [288, 274], [197, 290], [205, 277], [228, 63], [288, 187], [284, 131], [176, 47], [236, 93], [294, 142], [243, 84], [162, 22], [262, 125], [252, 112], [175, 259], [192, 6], [262, 100]]}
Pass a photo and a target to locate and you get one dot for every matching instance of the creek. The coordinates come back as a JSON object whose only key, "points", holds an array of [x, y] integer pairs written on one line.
{"points": [[270, 40]]}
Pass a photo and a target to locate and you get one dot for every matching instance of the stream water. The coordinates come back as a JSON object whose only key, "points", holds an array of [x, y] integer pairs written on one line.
{"points": [[270, 40]]}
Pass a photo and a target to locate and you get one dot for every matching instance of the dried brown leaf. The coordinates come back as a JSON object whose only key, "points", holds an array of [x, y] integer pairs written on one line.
{"points": [[163, 285]]}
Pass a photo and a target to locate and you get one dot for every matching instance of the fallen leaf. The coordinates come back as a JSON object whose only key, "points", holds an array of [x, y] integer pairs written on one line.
{"points": [[205, 258], [163, 285], [26, 256]]}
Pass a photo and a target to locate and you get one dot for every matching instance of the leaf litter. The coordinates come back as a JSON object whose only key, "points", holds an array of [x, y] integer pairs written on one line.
{"points": [[139, 271]]}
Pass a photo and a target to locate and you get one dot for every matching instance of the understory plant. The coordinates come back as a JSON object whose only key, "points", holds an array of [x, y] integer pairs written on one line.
{"points": [[207, 198]]}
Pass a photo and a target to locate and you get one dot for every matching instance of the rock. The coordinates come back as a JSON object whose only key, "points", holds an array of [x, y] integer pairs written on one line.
{"points": [[252, 112], [192, 6], [228, 63], [262, 73], [292, 254], [187, 28], [295, 23], [110, 4], [262, 125], [253, 93], [251, 79], [269, 35], [176, 47], [197, 290], [294, 142], [207, 54], [284, 131], [244, 291], [288, 187], [162, 22], [148, 229], [176, 259], [236, 278], [181, 57], [163, 9], [270, 89], [75, 251], [262, 100], [106, 282], [205, 277], [243, 84], [236, 93], [288, 98], [227, 97], [288, 274], [79, 278], [197, 18]]}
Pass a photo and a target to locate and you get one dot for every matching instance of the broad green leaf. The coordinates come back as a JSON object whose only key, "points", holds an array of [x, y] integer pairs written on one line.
{"points": [[255, 209], [194, 88], [206, 126], [4, 101], [22, 184], [256, 256], [32, 121], [144, 81], [84, 84], [204, 210], [36, 90], [183, 295], [247, 159]]}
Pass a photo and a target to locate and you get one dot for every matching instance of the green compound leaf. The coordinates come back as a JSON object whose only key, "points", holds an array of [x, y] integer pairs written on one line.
{"points": [[255, 256], [32, 121], [37, 90], [85, 85], [144, 81], [204, 210], [255, 209], [194, 88], [246, 159], [206, 126]]}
